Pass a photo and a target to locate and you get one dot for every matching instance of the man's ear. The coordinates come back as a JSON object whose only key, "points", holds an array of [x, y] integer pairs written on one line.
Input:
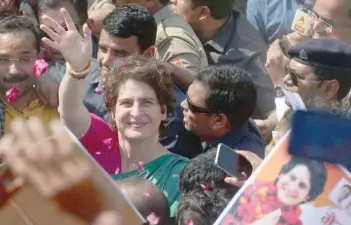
{"points": [[150, 52], [331, 89], [205, 13], [221, 121], [90, 23]]}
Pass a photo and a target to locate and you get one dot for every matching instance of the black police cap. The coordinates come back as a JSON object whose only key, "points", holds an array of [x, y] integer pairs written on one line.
{"points": [[323, 53]]}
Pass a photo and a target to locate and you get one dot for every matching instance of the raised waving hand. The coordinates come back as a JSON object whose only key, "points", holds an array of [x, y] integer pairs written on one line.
{"points": [[76, 48]]}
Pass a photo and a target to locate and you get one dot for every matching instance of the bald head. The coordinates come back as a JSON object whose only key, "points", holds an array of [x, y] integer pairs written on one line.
{"points": [[338, 14], [146, 197]]}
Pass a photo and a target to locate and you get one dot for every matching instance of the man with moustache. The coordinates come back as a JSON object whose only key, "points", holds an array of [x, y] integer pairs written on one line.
{"points": [[19, 48], [319, 71], [330, 19]]}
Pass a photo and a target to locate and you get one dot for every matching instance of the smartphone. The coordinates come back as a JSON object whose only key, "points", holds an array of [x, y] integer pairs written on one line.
{"points": [[321, 136], [227, 159]]}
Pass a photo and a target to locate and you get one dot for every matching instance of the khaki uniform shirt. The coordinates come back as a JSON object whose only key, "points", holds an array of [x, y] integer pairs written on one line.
{"points": [[98, 4], [177, 43]]}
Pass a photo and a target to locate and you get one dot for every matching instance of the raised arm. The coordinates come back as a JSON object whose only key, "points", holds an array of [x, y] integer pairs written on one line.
{"points": [[77, 51]]}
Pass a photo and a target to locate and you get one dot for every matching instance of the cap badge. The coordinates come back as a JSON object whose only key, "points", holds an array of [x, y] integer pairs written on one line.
{"points": [[303, 55]]}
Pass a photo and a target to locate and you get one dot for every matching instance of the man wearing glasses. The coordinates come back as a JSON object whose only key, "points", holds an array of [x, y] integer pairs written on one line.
{"points": [[332, 19], [319, 69], [329, 19], [19, 48], [217, 109]]}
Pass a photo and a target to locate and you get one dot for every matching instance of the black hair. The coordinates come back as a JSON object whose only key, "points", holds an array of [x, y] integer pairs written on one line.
{"points": [[132, 20], [342, 76], [201, 170], [201, 208], [318, 174], [220, 9], [164, 2], [231, 91], [135, 188], [347, 186], [81, 7], [20, 23]]}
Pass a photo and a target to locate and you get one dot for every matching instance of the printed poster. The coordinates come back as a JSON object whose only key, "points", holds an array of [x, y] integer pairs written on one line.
{"points": [[291, 190]]}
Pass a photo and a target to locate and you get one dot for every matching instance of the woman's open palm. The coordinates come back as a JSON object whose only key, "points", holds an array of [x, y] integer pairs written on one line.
{"points": [[74, 47]]}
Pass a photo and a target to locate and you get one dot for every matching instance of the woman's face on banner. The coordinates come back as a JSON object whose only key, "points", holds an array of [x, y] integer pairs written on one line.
{"points": [[294, 186]]}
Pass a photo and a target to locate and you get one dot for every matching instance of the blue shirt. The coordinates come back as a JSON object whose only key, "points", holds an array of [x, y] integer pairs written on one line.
{"points": [[247, 137], [272, 18]]}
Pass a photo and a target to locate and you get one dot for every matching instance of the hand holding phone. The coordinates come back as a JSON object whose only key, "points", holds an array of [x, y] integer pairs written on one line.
{"points": [[227, 160]]}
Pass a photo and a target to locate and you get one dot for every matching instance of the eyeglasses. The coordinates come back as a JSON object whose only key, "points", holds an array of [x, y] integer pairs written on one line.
{"points": [[25, 60], [43, 34], [195, 109], [324, 24]]}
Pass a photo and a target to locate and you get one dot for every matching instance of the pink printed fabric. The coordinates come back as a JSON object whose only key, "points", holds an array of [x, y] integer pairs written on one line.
{"points": [[102, 143]]}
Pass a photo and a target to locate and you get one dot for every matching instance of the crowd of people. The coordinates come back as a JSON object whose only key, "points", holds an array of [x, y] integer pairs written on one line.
{"points": [[151, 87]]}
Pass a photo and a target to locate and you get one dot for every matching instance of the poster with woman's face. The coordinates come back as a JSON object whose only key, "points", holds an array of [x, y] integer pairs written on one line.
{"points": [[291, 190]]}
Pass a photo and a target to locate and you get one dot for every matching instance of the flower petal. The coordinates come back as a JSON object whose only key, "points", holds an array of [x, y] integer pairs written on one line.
{"points": [[12, 94], [153, 218], [98, 91], [204, 188], [189, 222], [141, 166]]}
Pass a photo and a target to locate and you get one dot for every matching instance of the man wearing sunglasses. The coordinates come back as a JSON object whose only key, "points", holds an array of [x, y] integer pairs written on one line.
{"points": [[329, 19], [217, 109], [319, 69]]}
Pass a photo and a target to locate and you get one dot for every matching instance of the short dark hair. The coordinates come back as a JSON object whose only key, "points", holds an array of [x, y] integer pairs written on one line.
{"points": [[20, 23], [135, 188], [81, 7], [132, 20], [201, 208], [317, 170], [231, 91], [220, 9], [148, 70], [341, 75], [347, 186], [201, 170]]}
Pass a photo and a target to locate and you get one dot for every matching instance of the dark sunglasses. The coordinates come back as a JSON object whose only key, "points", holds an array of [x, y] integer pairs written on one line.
{"points": [[195, 109], [295, 77], [43, 34]]}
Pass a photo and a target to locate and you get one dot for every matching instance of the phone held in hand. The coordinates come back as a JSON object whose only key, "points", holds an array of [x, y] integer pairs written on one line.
{"points": [[227, 160], [321, 136]]}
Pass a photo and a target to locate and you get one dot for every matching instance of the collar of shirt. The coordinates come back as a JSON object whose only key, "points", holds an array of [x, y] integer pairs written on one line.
{"points": [[93, 78], [223, 36], [230, 139], [162, 14]]}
